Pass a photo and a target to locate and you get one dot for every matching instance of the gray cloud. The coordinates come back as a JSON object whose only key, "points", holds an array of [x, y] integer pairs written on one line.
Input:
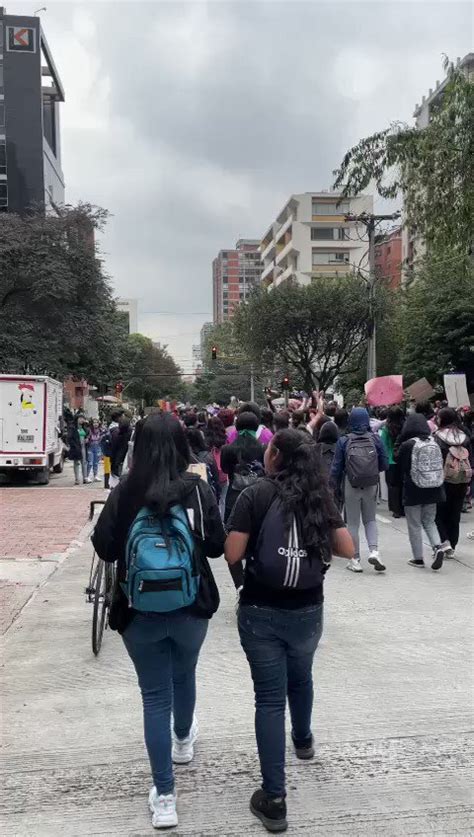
{"points": [[194, 122]]}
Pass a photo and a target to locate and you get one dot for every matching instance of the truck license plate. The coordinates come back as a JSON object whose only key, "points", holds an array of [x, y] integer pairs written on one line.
{"points": [[23, 437]]}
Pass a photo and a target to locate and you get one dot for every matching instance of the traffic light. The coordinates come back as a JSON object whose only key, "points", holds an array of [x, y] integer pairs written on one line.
{"points": [[285, 384], [214, 352]]}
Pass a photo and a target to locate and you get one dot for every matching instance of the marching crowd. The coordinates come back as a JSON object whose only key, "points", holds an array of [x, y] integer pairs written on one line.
{"points": [[280, 493]]}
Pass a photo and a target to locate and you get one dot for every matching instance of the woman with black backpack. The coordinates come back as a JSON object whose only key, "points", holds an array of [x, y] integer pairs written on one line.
{"points": [[287, 526], [456, 451], [160, 524]]}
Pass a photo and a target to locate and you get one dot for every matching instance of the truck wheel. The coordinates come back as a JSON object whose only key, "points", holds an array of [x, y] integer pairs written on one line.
{"points": [[43, 476], [59, 468]]}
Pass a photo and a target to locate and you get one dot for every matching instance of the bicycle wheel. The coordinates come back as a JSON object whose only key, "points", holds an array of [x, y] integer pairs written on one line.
{"points": [[100, 608]]}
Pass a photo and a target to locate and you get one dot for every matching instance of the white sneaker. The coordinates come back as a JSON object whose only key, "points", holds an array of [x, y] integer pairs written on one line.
{"points": [[183, 749], [374, 560], [163, 809], [88, 479], [98, 479], [354, 565]]}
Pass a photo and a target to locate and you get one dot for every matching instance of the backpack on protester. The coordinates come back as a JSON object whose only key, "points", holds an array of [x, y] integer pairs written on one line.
{"points": [[280, 560], [162, 573], [362, 460], [427, 464], [217, 454], [106, 444], [457, 467], [246, 474]]}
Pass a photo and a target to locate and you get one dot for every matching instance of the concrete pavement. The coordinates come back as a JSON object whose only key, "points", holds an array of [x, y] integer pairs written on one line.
{"points": [[392, 714]]}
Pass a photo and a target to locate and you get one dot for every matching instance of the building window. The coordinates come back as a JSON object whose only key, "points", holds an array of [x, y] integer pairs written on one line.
{"points": [[3, 157], [225, 280], [330, 208], [3, 194], [2, 115], [1, 76], [49, 122], [329, 234], [330, 258]]}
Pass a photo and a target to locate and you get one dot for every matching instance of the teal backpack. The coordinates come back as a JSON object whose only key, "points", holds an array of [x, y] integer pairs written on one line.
{"points": [[162, 575]]}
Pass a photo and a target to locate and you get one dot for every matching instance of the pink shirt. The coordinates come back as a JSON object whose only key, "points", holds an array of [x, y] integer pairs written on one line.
{"points": [[264, 435]]}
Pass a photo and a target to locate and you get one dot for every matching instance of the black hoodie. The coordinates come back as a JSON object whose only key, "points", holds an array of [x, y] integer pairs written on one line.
{"points": [[415, 427], [111, 532]]}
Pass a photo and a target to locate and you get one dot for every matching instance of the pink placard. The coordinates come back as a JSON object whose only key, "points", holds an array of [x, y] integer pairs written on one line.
{"points": [[382, 392]]}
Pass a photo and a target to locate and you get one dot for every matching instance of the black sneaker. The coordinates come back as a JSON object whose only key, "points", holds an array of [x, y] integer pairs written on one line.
{"points": [[271, 812], [416, 562], [304, 751], [438, 561]]}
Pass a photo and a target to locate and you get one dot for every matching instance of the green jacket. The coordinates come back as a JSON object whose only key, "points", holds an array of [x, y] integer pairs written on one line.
{"points": [[388, 444]]}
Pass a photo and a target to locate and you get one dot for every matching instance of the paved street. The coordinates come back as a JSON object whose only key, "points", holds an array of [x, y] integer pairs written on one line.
{"points": [[392, 716], [38, 524]]}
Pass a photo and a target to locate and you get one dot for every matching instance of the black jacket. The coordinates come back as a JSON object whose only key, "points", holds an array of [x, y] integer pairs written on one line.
{"points": [[74, 443], [111, 532], [415, 427], [120, 438]]}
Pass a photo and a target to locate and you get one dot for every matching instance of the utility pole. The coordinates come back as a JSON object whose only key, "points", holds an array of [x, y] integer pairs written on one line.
{"points": [[370, 222], [252, 383]]}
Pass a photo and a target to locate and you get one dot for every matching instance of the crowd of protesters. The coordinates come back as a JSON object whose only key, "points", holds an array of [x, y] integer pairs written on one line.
{"points": [[280, 492]]}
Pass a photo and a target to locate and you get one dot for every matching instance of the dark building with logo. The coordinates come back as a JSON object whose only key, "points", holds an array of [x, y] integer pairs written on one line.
{"points": [[30, 93]]}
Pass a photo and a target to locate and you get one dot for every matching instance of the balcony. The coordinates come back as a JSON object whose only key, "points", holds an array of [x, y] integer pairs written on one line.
{"points": [[267, 271], [268, 250], [282, 277], [284, 252], [284, 227]]}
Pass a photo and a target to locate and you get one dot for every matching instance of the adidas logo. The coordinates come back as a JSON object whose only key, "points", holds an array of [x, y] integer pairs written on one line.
{"points": [[292, 552]]}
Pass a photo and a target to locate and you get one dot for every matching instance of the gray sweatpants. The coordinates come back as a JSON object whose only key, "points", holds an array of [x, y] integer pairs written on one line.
{"points": [[421, 518], [357, 501]]}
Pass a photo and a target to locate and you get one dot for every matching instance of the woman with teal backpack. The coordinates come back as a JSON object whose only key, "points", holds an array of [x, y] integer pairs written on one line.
{"points": [[160, 524]]}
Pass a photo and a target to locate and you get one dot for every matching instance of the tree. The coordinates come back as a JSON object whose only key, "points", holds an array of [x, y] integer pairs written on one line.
{"points": [[438, 322], [149, 373], [317, 330], [432, 167], [229, 374], [57, 311]]}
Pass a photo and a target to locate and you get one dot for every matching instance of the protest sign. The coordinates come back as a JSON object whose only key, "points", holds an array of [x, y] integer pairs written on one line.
{"points": [[384, 391], [456, 390], [421, 390]]}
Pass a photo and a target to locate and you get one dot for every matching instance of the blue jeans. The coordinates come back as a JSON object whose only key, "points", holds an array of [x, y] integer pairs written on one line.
{"points": [[280, 646], [93, 458], [164, 649]]}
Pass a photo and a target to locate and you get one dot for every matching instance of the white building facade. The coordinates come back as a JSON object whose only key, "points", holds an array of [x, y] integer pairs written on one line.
{"points": [[130, 307], [311, 237]]}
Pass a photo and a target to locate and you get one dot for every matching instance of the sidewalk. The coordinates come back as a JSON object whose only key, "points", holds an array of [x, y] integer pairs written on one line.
{"points": [[392, 714]]}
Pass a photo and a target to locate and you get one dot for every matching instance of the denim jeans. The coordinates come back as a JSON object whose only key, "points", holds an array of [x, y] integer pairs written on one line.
{"points": [[93, 458], [164, 649], [280, 646]]}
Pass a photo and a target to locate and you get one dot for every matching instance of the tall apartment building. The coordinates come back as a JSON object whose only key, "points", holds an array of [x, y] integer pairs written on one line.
{"points": [[413, 247], [30, 93], [311, 237], [130, 308], [388, 257], [234, 274]]}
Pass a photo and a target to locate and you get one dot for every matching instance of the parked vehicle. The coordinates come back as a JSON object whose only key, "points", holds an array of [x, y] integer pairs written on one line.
{"points": [[31, 409]]}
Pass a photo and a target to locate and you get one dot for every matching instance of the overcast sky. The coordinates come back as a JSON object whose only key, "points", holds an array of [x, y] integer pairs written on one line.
{"points": [[193, 123]]}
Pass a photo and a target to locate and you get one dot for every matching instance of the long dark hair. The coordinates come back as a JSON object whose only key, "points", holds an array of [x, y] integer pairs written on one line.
{"points": [[215, 433], [394, 423], [303, 490], [195, 440], [161, 456]]}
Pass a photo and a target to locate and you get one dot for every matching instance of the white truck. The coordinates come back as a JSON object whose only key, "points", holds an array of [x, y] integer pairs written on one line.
{"points": [[31, 408]]}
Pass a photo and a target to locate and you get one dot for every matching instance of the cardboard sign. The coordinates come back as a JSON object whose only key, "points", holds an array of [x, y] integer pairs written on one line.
{"points": [[421, 390], [382, 392], [455, 388]]}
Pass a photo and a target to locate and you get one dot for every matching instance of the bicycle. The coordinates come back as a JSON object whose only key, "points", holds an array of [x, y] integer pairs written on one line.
{"points": [[100, 592]]}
